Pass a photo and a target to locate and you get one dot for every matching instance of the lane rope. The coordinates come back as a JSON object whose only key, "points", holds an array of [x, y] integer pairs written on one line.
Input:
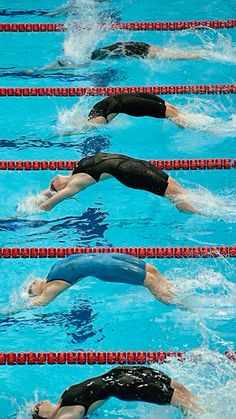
{"points": [[186, 164], [141, 252], [131, 26], [101, 357], [208, 89]]}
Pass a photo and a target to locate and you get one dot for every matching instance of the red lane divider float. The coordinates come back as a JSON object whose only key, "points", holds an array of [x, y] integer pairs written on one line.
{"points": [[131, 26], [192, 164], [141, 252], [101, 357], [107, 91]]}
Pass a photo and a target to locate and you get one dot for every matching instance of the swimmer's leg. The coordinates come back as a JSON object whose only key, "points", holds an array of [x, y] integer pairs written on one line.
{"points": [[174, 54], [175, 115], [179, 197], [158, 285], [183, 398]]}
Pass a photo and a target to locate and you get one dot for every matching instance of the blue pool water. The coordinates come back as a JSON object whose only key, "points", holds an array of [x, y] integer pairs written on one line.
{"points": [[96, 315]]}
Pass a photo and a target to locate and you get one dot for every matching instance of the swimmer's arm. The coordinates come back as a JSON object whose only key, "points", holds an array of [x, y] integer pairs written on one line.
{"points": [[46, 193], [35, 302], [44, 299], [56, 66], [70, 412], [67, 192]]}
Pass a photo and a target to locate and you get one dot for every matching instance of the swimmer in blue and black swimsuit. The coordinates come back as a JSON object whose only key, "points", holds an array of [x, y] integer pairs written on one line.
{"points": [[127, 383], [109, 267]]}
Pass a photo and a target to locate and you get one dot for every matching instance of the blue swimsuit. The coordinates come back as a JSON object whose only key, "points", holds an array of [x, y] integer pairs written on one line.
{"points": [[110, 267]]}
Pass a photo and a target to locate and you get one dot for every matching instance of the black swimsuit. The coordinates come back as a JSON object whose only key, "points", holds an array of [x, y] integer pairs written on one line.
{"points": [[134, 173], [122, 49], [134, 104], [125, 383]]}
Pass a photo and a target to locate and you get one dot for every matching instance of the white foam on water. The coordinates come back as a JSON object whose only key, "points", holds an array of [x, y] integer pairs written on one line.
{"points": [[213, 45], [206, 290], [29, 205], [81, 40], [74, 120], [212, 377], [219, 207], [206, 123], [19, 298]]}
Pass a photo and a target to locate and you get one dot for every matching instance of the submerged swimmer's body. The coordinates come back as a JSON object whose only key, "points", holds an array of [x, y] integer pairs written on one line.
{"points": [[127, 383], [143, 50], [131, 172], [129, 49], [111, 267]]}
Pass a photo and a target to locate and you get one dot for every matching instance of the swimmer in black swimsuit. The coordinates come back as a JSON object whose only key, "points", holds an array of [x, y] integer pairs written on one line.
{"points": [[135, 104], [129, 49], [143, 50], [130, 383], [131, 172]]}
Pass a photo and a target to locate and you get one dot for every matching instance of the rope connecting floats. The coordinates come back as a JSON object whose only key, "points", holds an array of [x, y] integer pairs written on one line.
{"points": [[131, 26], [141, 252], [91, 357], [192, 164], [107, 91]]}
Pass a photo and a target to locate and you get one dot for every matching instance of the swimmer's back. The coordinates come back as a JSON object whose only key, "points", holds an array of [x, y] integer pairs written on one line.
{"points": [[134, 104], [122, 49], [110, 267]]}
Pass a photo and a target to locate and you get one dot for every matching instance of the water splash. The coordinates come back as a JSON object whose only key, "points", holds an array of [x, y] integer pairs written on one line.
{"points": [[214, 206], [19, 298], [29, 205], [24, 412], [81, 38], [218, 46], [205, 123], [206, 289], [74, 120], [212, 377], [214, 45]]}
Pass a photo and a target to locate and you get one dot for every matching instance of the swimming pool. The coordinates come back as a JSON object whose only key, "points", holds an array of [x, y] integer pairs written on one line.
{"points": [[95, 315]]}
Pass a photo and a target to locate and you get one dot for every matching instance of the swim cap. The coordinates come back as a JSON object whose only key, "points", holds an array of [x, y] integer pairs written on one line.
{"points": [[64, 63]]}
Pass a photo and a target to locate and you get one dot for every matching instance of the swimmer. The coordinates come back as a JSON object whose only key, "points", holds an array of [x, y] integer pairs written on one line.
{"points": [[144, 50], [108, 267], [136, 104], [127, 383], [131, 172], [126, 49]]}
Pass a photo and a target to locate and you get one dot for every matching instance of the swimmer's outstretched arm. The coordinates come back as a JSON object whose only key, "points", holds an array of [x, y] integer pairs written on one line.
{"points": [[66, 65], [66, 193], [34, 303]]}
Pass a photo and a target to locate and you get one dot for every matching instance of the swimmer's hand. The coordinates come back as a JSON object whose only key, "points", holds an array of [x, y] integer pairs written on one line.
{"points": [[45, 207], [10, 311], [30, 70]]}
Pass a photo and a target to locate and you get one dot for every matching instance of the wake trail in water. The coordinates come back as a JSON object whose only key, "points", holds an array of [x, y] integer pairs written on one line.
{"points": [[208, 290]]}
